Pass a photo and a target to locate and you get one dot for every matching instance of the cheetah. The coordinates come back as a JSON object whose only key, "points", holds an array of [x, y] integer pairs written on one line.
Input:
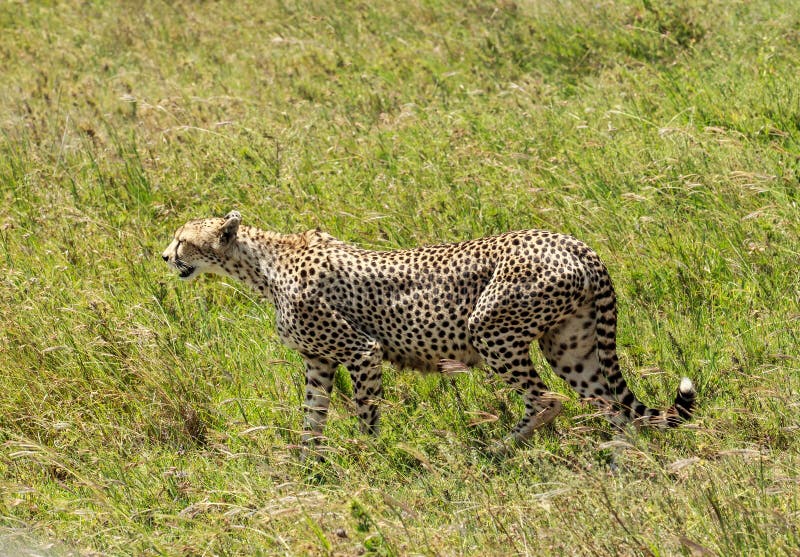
{"points": [[432, 308]]}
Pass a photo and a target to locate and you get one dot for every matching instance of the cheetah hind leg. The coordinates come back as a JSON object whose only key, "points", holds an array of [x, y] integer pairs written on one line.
{"points": [[541, 407], [572, 353], [540, 410]]}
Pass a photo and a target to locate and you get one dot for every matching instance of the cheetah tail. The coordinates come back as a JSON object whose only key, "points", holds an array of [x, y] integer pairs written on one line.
{"points": [[681, 411], [625, 400]]}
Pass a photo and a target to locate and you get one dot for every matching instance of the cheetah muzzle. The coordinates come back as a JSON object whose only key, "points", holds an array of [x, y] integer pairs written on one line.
{"points": [[442, 307], [184, 270]]}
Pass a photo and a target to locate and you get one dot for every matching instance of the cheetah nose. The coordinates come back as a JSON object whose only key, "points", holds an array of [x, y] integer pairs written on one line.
{"points": [[165, 257]]}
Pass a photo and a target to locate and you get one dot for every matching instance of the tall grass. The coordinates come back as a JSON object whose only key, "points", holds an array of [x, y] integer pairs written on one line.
{"points": [[143, 416]]}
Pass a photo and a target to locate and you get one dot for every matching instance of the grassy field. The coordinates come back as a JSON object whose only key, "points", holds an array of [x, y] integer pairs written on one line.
{"points": [[143, 416]]}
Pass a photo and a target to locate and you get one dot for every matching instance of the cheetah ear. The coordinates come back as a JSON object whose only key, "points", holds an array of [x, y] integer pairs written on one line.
{"points": [[228, 230]]}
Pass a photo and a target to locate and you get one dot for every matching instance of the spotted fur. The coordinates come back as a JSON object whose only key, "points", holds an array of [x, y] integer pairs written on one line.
{"points": [[431, 308]]}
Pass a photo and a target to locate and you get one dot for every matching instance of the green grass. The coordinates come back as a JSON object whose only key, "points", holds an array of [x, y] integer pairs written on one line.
{"points": [[140, 415]]}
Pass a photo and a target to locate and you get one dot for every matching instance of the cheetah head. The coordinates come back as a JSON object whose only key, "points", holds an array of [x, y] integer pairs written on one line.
{"points": [[201, 246]]}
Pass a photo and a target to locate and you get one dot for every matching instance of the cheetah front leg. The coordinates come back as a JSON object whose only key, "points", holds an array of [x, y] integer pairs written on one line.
{"points": [[355, 350], [319, 383], [365, 372]]}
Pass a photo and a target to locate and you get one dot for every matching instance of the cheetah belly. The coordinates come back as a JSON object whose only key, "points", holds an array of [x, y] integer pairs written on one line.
{"points": [[418, 328], [429, 362]]}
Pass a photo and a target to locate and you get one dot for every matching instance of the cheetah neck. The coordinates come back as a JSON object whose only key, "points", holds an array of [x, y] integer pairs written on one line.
{"points": [[255, 256]]}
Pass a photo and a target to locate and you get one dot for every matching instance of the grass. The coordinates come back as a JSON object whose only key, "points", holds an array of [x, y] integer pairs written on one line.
{"points": [[141, 416]]}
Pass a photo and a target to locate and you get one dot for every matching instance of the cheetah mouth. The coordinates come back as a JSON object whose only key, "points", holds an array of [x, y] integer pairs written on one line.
{"points": [[184, 270]]}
